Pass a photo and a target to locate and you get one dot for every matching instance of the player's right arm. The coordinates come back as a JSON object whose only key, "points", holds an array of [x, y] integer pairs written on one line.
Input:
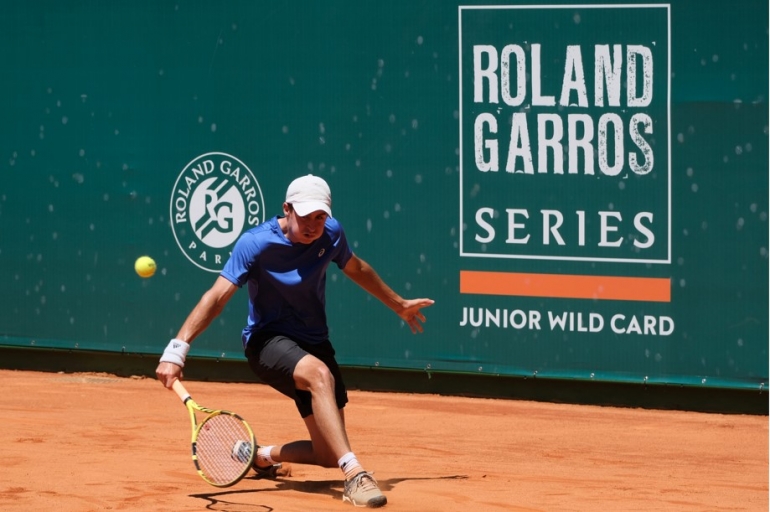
{"points": [[208, 308]]}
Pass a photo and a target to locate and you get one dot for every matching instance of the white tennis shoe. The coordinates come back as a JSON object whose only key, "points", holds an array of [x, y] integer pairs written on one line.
{"points": [[362, 491]]}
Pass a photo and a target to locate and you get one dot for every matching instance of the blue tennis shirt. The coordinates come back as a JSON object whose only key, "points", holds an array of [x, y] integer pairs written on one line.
{"points": [[286, 281]]}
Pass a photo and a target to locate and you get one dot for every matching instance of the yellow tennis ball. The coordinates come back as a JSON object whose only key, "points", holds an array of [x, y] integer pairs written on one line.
{"points": [[145, 266]]}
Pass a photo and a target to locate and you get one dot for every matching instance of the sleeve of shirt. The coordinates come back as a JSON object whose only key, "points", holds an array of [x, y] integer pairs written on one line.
{"points": [[343, 252], [242, 260]]}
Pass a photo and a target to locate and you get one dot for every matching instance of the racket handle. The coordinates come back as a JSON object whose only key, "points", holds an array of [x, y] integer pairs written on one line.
{"points": [[180, 390]]}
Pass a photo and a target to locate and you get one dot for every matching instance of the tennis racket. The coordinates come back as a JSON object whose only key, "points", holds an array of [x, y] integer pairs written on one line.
{"points": [[222, 444]]}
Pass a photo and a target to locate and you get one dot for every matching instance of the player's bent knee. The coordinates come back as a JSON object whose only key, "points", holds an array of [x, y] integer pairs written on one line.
{"points": [[313, 375], [322, 381]]}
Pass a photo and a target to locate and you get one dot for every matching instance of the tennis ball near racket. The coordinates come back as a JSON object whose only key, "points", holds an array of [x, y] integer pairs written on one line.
{"points": [[145, 266]]}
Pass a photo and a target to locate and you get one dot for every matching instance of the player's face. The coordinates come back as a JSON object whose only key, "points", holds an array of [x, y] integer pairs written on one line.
{"points": [[304, 230]]}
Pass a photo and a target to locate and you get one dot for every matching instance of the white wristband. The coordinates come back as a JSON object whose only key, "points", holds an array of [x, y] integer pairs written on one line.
{"points": [[175, 352]]}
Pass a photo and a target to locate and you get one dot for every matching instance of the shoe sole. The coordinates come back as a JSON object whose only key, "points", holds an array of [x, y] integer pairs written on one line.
{"points": [[379, 501]]}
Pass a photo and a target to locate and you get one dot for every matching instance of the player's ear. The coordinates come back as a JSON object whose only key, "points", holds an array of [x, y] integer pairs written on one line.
{"points": [[287, 208]]}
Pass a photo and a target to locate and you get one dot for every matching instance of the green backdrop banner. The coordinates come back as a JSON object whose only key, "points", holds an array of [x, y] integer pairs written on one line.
{"points": [[583, 189]]}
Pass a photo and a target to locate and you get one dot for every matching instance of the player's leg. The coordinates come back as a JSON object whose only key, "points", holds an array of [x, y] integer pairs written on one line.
{"points": [[326, 424], [320, 408], [273, 359], [316, 451], [318, 392]]}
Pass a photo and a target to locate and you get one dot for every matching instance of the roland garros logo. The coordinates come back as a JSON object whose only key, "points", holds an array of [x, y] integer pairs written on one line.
{"points": [[216, 197]]}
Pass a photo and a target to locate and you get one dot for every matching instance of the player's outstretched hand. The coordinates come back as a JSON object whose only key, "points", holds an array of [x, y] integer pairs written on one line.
{"points": [[411, 314]]}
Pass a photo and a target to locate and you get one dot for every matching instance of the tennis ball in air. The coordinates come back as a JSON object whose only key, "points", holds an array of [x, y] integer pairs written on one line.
{"points": [[145, 266]]}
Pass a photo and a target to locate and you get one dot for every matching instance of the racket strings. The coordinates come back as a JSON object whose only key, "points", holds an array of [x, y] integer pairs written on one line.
{"points": [[223, 448]]}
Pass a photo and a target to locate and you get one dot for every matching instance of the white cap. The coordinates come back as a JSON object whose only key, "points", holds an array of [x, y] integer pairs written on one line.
{"points": [[309, 194]]}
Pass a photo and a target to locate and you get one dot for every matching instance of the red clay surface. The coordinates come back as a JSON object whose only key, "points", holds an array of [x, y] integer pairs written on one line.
{"points": [[95, 442]]}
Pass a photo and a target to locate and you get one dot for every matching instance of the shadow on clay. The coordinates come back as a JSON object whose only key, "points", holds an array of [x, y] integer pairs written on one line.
{"points": [[226, 501]]}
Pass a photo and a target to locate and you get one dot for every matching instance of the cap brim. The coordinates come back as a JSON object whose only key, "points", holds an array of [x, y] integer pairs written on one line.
{"points": [[308, 207]]}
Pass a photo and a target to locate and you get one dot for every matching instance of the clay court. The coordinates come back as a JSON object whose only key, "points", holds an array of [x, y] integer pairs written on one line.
{"points": [[87, 442]]}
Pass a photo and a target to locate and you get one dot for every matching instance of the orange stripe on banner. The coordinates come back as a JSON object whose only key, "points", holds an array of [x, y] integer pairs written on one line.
{"points": [[650, 289]]}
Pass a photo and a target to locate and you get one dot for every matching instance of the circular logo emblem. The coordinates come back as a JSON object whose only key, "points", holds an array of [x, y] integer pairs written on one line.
{"points": [[215, 198]]}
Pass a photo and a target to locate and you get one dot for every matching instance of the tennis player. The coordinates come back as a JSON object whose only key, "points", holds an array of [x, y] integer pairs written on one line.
{"points": [[283, 263]]}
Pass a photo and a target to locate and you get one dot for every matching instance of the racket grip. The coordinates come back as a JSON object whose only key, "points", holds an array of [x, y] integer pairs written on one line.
{"points": [[180, 390]]}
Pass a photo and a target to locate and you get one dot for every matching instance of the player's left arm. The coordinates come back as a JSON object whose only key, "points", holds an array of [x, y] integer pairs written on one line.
{"points": [[408, 309]]}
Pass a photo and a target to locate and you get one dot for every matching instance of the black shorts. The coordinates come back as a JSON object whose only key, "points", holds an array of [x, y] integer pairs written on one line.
{"points": [[273, 357]]}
